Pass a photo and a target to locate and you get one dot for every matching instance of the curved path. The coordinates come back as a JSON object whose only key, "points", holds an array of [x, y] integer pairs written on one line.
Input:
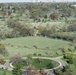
{"points": [[62, 63]]}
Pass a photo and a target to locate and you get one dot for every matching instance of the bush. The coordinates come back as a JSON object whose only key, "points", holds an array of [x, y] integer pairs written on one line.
{"points": [[2, 61], [16, 58], [35, 46], [35, 54], [3, 50], [39, 54]]}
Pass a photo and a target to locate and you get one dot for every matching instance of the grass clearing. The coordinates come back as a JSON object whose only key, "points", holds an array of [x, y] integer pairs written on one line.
{"points": [[25, 45]]}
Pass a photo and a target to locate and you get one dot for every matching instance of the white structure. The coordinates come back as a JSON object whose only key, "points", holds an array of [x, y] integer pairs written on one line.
{"points": [[74, 5], [61, 0], [40, 0], [49, 1]]}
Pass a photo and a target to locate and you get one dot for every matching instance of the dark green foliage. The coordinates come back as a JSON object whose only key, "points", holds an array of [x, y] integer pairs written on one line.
{"points": [[17, 69], [43, 63], [49, 65], [39, 54], [64, 71], [35, 54]]}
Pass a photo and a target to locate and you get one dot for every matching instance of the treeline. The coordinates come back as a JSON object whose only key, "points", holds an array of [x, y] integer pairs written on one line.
{"points": [[17, 29], [38, 10]]}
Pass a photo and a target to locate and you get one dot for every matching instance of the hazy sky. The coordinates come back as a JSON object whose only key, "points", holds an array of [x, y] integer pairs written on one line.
{"points": [[34, 0]]}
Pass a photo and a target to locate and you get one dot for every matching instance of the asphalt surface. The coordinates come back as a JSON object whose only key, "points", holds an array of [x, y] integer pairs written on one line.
{"points": [[61, 62]]}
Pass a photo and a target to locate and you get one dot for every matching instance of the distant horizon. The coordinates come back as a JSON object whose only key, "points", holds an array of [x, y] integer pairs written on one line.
{"points": [[15, 1]]}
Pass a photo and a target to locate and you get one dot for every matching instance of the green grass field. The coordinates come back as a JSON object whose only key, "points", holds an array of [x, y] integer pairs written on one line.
{"points": [[48, 64], [7, 72], [24, 45], [41, 63]]}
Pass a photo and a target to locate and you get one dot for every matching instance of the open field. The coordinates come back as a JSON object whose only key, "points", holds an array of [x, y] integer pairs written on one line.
{"points": [[26, 45]]}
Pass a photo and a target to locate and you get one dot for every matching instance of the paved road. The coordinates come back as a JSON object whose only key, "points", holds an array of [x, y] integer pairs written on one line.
{"points": [[62, 63], [8, 65]]}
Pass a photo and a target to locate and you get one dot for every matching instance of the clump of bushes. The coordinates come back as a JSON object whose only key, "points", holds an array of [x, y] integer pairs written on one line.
{"points": [[3, 50], [35, 54]]}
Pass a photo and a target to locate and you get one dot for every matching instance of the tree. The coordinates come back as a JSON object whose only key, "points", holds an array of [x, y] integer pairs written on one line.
{"points": [[43, 72], [16, 58], [3, 50], [54, 16], [34, 71], [13, 23], [68, 71], [31, 71], [69, 57], [2, 61]]}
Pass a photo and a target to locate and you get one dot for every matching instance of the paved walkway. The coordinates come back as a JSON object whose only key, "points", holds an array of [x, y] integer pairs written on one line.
{"points": [[61, 62]]}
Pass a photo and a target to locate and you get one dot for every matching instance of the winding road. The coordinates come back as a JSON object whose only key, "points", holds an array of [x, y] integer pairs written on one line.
{"points": [[61, 62]]}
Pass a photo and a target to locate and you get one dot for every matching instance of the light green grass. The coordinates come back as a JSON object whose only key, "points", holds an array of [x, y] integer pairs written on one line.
{"points": [[16, 45]]}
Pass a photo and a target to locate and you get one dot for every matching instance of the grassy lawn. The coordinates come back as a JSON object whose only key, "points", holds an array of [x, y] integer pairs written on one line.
{"points": [[48, 64], [7, 72], [25, 45], [40, 63]]}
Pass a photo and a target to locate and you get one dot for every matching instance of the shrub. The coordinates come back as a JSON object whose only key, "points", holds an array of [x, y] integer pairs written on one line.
{"points": [[35, 54], [3, 50], [2, 61], [35, 46], [39, 54], [16, 58]]}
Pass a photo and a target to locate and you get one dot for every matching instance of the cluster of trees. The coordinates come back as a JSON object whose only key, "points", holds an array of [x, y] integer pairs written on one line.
{"points": [[38, 10], [34, 71], [71, 60], [17, 29], [64, 71], [72, 26], [31, 70], [69, 57]]}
